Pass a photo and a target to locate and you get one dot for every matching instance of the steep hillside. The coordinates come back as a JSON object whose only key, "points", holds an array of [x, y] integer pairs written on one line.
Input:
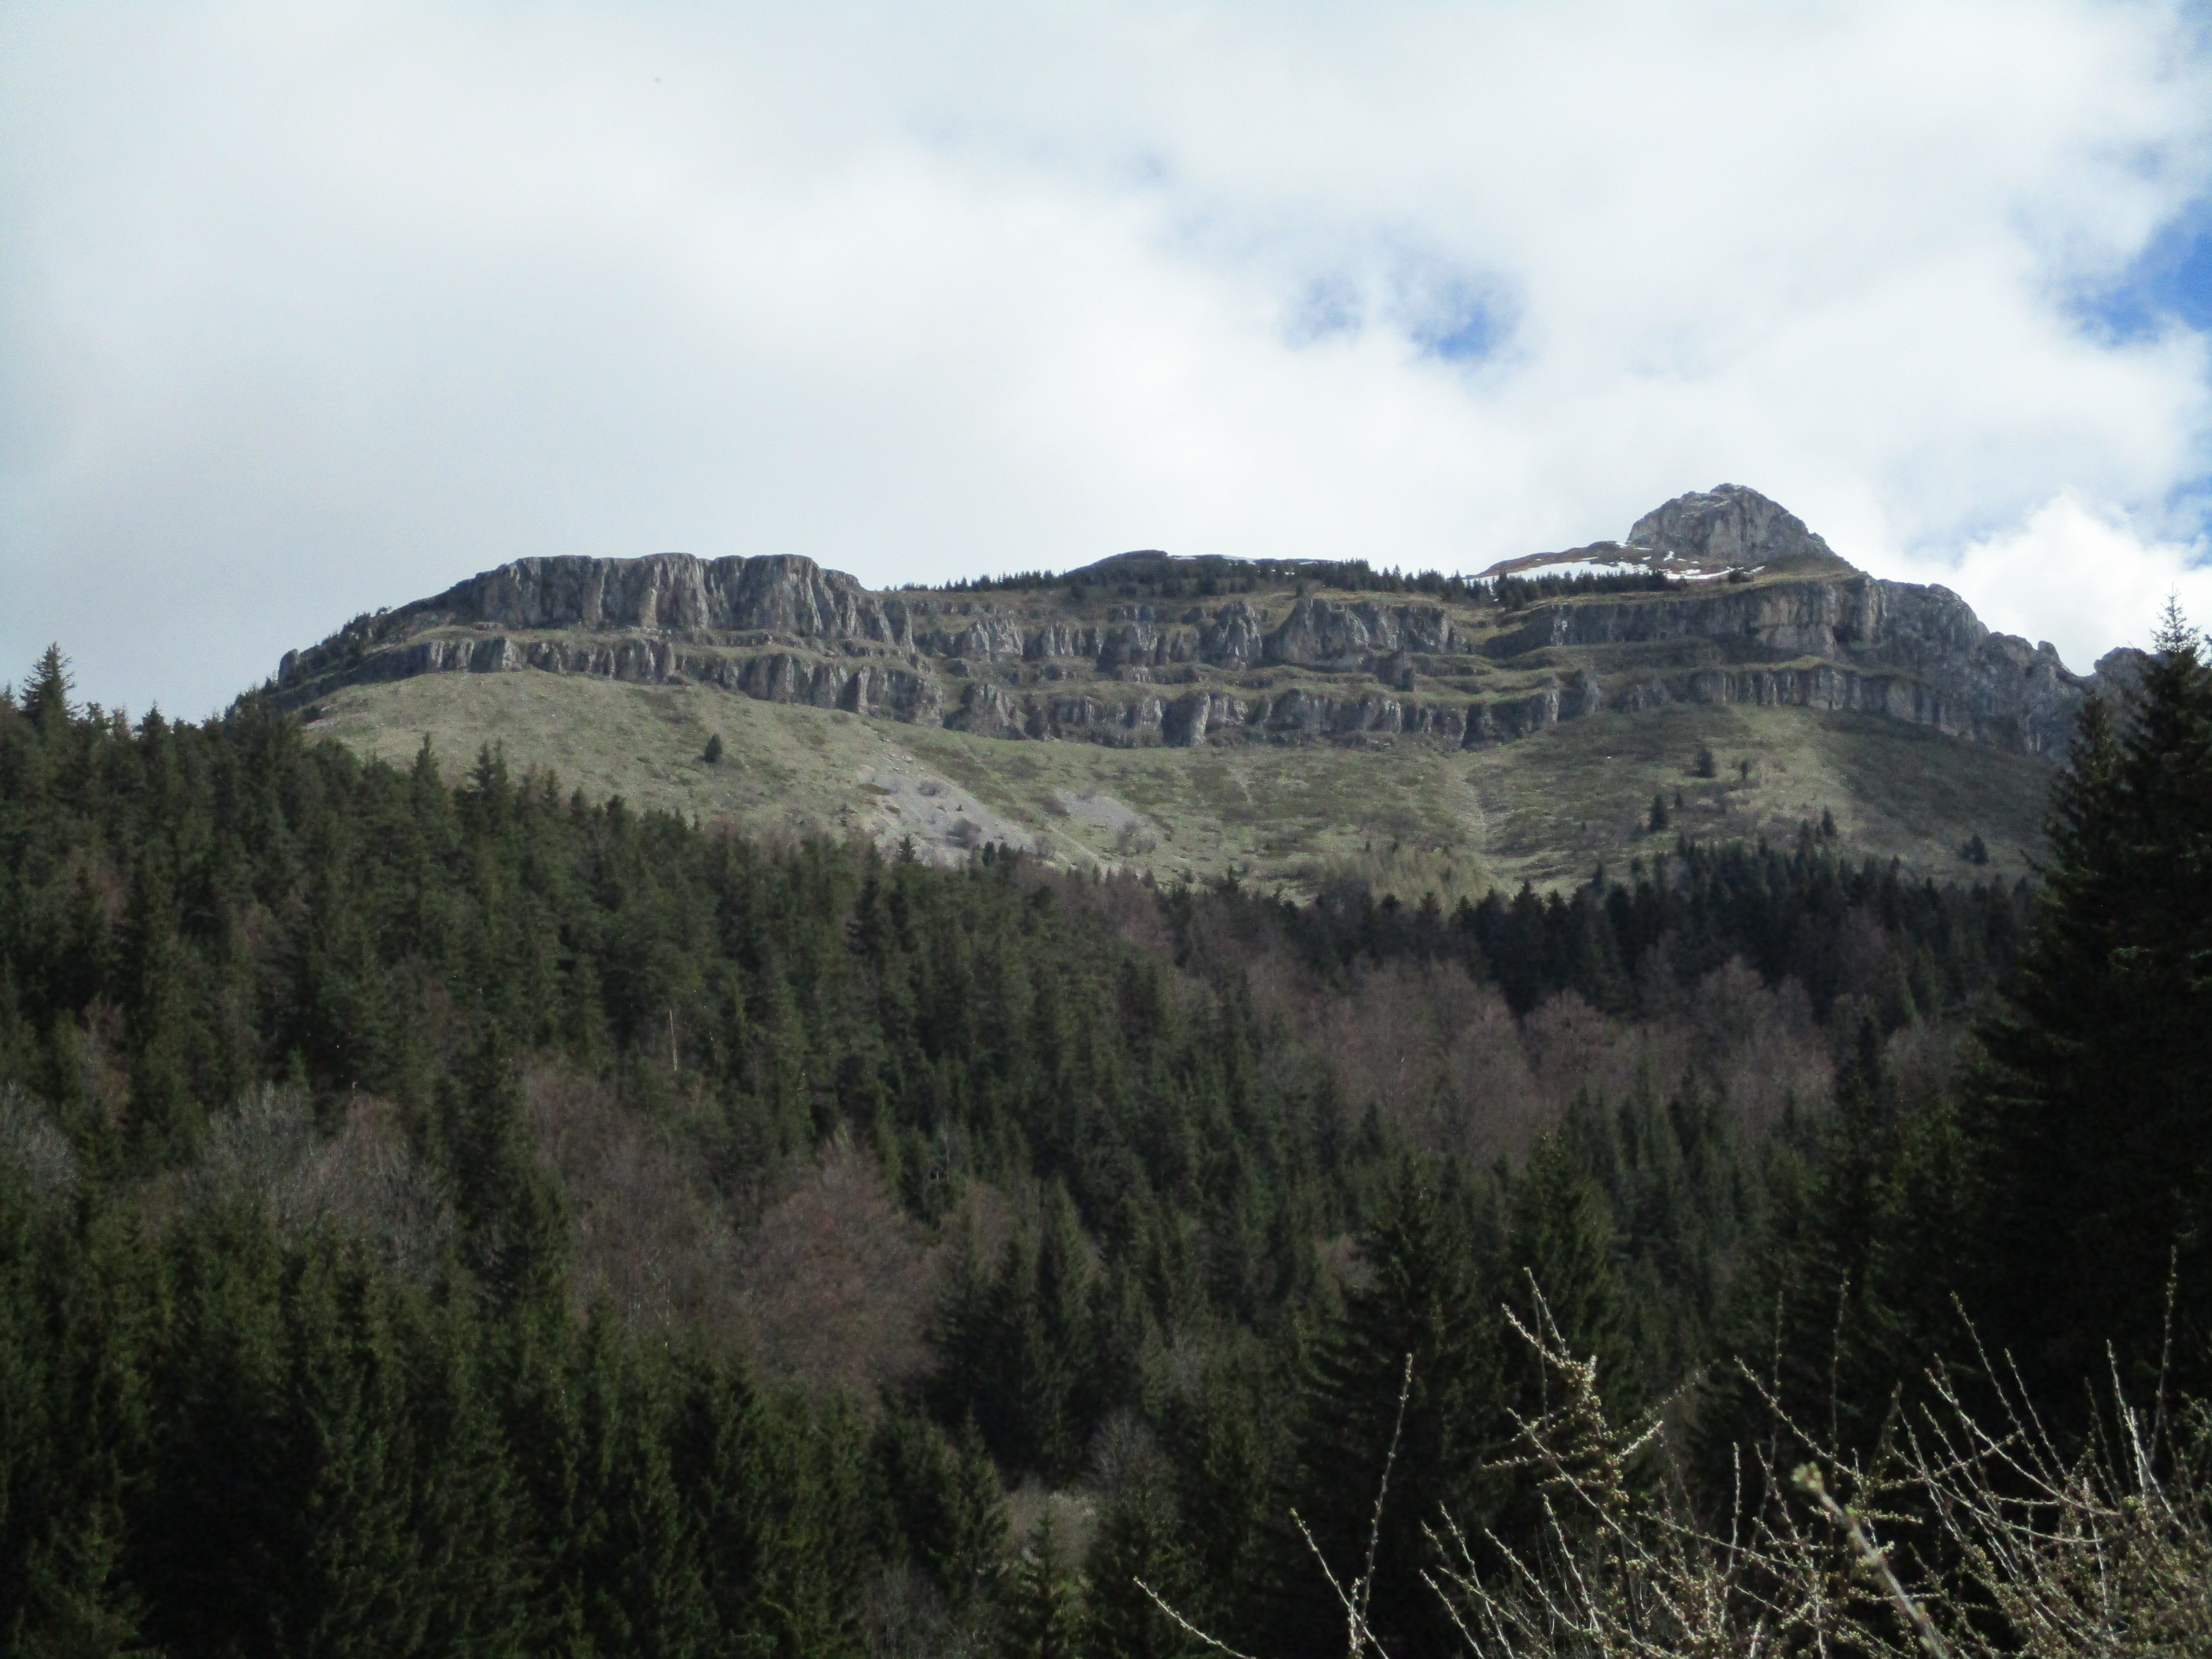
{"points": [[1285, 719]]}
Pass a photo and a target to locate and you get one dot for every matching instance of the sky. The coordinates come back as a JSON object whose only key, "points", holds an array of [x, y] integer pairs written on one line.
{"points": [[307, 309]]}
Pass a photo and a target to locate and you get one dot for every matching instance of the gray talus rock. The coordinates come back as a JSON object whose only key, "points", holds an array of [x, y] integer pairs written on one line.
{"points": [[2118, 672], [1810, 630], [664, 596], [1300, 714], [1132, 645]]}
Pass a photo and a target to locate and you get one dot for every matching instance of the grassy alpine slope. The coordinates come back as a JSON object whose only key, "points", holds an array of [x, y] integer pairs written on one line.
{"points": [[1408, 814]]}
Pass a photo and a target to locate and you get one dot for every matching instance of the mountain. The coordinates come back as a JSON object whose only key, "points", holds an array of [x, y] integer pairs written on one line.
{"points": [[1292, 719]]}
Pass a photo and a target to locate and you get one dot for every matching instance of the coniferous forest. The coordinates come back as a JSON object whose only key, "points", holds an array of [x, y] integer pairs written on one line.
{"points": [[475, 1218]]}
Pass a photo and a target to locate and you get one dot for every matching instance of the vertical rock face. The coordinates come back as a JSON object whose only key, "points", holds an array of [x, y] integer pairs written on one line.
{"points": [[669, 593], [1320, 633], [1792, 625], [1911, 652], [1237, 635]]}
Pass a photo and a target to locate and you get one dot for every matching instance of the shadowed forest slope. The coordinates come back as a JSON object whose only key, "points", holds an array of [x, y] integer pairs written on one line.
{"points": [[444, 1215]]}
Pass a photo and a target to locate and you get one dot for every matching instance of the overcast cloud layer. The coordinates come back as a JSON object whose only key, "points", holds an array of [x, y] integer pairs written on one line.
{"points": [[309, 309]]}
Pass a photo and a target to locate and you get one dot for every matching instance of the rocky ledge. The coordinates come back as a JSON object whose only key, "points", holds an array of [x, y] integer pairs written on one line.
{"points": [[1738, 602]]}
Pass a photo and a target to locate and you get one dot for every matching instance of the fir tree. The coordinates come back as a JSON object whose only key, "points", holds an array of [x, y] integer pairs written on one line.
{"points": [[77, 1312], [45, 696], [1043, 1614], [1847, 1300], [941, 1498], [1362, 1416], [162, 1112], [510, 1208], [1140, 1546], [2094, 1121], [1559, 1248]]}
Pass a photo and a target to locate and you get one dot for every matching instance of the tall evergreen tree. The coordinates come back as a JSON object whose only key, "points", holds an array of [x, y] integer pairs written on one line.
{"points": [[2094, 1120], [76, 1309], [164, 1113], [942, 1504], [1560, 1275], [515, 1233], [47, 693], [1044, 1613], [1421, 1304], [1847, 1298], [1139, 1546]]}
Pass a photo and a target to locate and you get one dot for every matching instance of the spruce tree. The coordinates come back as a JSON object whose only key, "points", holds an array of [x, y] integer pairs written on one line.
{"points": [[163, 1116], [1140, 1546], [1017, 1342], [1220, 1433], [941, 1504], [647, 1592], [1555, 1275], [514, 1228], [45, 697], [1558, 1274], [2094, 1120], [1421, 1304], [76, 1417], [1846, 1301], [718, 1462], [1043, 1614], [343, 1552]]}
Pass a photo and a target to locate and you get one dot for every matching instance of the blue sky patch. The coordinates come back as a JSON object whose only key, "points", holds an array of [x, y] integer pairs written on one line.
{"points": [[1453, 317], [2171, 281], [1442, 314], [1471, 331]]}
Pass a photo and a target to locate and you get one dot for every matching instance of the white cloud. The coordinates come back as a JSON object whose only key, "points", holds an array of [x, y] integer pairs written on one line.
{"points": [[308, 309], [2082, 579]]}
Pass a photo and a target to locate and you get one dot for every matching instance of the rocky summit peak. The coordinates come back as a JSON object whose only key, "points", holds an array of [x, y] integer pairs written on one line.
{"points": [[1728, 526], [1707, 533]]}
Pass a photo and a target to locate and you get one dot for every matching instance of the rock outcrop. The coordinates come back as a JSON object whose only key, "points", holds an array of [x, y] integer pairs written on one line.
{"points": [[1322, 634], [1104, 657], [1895, 649], [1728, 527]]}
